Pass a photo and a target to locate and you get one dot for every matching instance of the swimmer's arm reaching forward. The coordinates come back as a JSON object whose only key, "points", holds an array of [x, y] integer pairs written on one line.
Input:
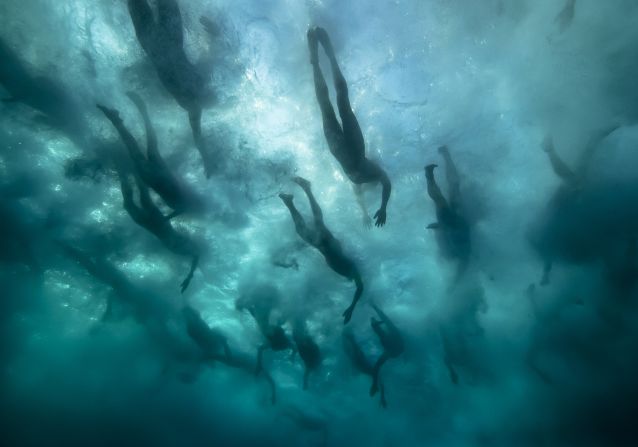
{"points": [[380, 215]]}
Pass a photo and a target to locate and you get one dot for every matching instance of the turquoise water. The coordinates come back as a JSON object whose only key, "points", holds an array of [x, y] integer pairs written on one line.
{"points": [[100, 347]]}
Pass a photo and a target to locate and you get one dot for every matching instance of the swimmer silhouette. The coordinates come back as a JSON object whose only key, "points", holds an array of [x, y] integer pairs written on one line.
{"points": [[391, 341], [163, 42], [345, 140], [149, 217], [152, 168], [452, 228], [322, 239]]}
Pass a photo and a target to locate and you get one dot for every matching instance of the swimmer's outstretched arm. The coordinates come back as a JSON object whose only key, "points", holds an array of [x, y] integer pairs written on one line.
{"points": [[375, 374], [380, 215], [358, 193]]}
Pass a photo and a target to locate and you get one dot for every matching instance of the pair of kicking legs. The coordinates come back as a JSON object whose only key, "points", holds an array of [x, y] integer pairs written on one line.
{"points": [[345, 140]]}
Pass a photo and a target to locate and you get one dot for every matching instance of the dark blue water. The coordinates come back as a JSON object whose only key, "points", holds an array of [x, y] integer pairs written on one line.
{"points": [[486, 344]]}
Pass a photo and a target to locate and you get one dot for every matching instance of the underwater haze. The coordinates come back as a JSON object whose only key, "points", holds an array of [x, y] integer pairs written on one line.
{"points": [[319, 223]]}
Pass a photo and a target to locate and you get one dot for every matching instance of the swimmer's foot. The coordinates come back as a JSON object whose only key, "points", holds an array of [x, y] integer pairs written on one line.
{"points": [[429, 170], [322, 36], [287, 198], [313, 45], [111, 114], [305, 184], [374, 389]]}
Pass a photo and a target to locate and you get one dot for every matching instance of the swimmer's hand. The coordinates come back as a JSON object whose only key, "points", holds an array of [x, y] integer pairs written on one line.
{"points": [[380, 217], [367, 221]]}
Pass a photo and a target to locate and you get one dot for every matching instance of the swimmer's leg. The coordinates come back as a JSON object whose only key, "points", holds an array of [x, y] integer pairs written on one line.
{"points": [[129, 141], [136, 212], [170, 21], [433, 189], [273, 388], [153, 215], [331, 128], [144, 23], [151, 138], [452, 175], [351, 129], [195, 120], [347, 314], [189, 276], [558, 165], [314, 206], [375, 373], [300, 224]]}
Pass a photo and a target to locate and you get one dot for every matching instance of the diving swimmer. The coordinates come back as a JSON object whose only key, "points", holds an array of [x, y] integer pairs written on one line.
{"points": [[360, 361], [322, 239], [562, 241], [391, 341], [148, 216], [163, 42], [452, 228], [308, 350], [345, 140], [152, 168], [209, 341]]}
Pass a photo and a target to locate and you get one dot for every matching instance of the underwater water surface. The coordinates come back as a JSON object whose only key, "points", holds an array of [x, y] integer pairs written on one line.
{"points": [[198, 248]]}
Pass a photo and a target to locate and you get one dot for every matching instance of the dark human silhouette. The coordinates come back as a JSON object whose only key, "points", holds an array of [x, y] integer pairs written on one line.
{"points": [[308, 350], [360, 361], [564, 235], [452, 227], [322, 239], [213, 344], [150, 167], [391, 341], [345, 140], [163, 41], [148, 216]]}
